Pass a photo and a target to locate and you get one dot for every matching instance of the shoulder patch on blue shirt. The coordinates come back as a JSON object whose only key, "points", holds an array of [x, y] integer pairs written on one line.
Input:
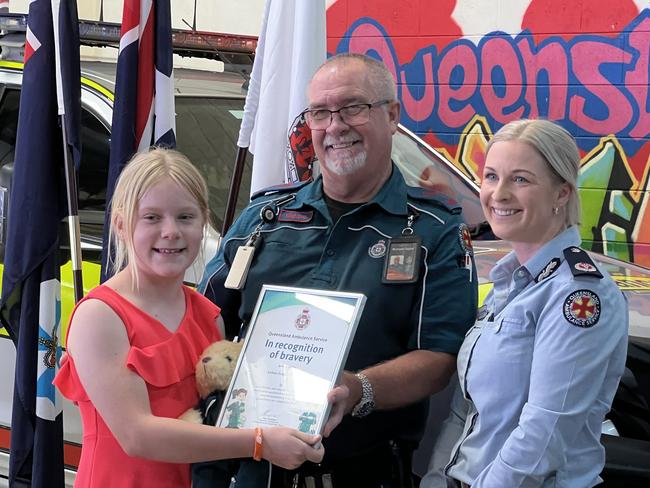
{"points": [[279, 189], [582, 308], [580, 263], [438, 198]]}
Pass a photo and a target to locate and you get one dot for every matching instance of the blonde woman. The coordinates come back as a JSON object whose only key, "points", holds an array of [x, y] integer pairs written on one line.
{"points": [[539, 369]]}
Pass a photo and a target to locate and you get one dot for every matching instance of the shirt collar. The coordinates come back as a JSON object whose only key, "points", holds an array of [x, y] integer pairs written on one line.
{"points": [[504, 267], [553, 249], [392, 197], [507, 265]]}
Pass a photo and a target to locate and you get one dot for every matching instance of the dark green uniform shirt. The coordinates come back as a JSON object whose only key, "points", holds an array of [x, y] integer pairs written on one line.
{"points": [[304, 248]]}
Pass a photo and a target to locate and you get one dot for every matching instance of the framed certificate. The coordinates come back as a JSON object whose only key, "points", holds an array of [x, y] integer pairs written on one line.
{"points": [[297, 343]]}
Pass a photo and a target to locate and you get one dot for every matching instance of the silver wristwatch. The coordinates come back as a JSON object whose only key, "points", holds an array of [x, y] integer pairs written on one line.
{"points": [[367, 402]]}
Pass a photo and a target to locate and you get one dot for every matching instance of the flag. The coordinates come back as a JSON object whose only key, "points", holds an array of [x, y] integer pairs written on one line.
{"points": [[143, 110], [30, 307], [68, 73], [290, 48]]}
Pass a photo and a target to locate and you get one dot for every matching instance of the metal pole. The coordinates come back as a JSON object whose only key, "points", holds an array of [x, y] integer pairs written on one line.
{"points": [[233, 191], [73, 216]]}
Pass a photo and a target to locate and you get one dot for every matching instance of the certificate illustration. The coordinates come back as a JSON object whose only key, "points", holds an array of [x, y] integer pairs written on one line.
{"points": [[297, 343]]}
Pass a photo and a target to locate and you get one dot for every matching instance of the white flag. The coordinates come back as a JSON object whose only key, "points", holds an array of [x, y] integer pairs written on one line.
{"points": [[290, 48]]}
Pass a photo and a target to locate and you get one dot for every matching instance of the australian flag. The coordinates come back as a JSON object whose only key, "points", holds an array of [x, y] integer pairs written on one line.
{"points": [[143, 111], [30, 305]]}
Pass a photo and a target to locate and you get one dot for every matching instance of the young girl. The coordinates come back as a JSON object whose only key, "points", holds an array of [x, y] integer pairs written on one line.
{"points": [[133, 343]]}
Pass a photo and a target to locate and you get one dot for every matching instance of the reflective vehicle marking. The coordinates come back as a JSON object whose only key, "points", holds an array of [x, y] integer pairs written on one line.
{"points": [[638, 283]]}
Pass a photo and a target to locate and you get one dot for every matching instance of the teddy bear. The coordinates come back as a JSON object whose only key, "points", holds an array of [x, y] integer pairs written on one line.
{"points": [[214, 370]]}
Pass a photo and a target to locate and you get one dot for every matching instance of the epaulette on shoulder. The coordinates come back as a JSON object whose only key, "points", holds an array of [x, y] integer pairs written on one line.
{"points": [[280, 189], [580, 263], [437, 197]]}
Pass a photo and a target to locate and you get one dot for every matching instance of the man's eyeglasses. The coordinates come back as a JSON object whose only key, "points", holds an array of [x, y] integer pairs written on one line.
{"points": [[357, 114]]}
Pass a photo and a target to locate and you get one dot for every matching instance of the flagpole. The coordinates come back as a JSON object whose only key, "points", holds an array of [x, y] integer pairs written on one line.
{"points": [[69, 165], [73, 216], [233, 191]]}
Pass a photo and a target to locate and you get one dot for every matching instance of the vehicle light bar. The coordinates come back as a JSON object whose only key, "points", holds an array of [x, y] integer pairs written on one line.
{"points": [[13, 22], [229, 48], [109, 34]]}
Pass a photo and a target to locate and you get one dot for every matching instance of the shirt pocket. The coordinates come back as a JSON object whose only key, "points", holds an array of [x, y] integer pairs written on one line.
{"points": [[279, 240], [511, 326], [510, 338]]}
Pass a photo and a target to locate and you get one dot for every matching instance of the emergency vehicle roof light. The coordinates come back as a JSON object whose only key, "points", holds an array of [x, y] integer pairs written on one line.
{"points": [[230, 48], [13, 22], [109, 34]]}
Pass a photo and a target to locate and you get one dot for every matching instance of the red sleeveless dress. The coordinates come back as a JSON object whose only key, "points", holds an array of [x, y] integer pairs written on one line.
{"points": [[166, 362]]}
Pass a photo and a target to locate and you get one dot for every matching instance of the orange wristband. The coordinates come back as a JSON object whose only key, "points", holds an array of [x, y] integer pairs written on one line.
{"points": [[257, 451]]}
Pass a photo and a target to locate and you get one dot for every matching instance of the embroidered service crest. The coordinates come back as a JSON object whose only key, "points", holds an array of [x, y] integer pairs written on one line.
{"points": [[582, 308]]}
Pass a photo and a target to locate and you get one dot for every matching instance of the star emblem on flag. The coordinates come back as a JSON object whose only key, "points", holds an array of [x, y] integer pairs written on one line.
{"points": [[49, 351]]}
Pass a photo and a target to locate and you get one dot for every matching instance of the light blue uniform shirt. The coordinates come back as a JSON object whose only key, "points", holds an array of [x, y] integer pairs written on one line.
{"points": [[538, 374]]}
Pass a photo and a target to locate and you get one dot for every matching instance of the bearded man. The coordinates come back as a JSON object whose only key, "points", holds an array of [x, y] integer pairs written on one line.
{"points": [[344, 231]]}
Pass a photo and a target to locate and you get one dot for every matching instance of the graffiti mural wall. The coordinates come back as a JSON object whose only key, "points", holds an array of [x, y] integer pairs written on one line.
{"points": [[466, 67]]}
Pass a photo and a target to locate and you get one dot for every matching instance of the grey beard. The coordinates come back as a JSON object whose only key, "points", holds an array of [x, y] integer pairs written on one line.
{"points": [[347, 165]]}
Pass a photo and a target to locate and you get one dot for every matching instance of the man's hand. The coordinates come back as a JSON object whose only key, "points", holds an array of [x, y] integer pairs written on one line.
{"points": [[416, 375], [339, 399], [404, 380]]}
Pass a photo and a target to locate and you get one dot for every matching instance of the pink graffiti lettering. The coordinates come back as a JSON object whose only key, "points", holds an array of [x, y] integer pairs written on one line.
{"points": [[368, 38], [596, 84], [498, 53], [463, 57], [420, 109], [637, 79], [587, 57], [551, 60]]}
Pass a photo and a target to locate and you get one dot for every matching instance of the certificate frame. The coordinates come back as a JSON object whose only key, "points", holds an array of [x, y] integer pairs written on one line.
{"points": [[297, 343]]}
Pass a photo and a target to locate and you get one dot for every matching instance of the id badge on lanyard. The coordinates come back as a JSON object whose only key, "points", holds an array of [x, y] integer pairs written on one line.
{"points": [[402, 259], [241, 264], [238, 273]]}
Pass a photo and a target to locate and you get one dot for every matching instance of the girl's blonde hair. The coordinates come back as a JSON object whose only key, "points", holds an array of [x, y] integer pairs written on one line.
{"points": [[144, 171]]}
